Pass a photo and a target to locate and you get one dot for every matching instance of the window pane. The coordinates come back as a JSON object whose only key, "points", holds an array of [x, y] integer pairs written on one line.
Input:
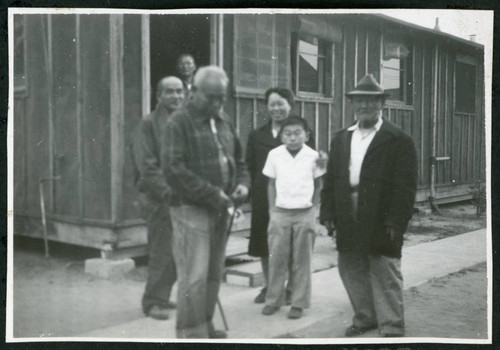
{"points": [[308, 73], [466, 87], [392, 83], [394, 63], [308, 67]]}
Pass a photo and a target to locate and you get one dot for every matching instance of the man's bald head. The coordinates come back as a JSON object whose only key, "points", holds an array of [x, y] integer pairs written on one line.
{"points": [[209, 89], [170, 93]]}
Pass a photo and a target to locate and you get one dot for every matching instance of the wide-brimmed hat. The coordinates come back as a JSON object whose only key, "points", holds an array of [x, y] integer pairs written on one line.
{"points": [[368, 86]]}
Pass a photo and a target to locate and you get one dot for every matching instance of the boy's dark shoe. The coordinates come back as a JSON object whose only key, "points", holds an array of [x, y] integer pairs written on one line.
{"points": [[158, 313], [269, 310], [392, 334], [171, 305], [261, 298], [295, 312], [353, 331], [217, 334]]}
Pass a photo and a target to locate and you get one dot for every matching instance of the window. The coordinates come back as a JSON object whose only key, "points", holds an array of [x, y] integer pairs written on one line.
{"points": [[312, 68], [262, 55], [19, 54], [397, 71], [465, 83]]}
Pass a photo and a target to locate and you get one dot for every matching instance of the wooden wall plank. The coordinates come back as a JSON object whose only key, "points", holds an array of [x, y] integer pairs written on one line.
{"points": [[133, 105], [19, 154], [374, 37], [65, 125], [310, 115], [37, 150], [245, 119], [323, 127], [361, 51], [116, 49], [96, 116], [349, 67]]}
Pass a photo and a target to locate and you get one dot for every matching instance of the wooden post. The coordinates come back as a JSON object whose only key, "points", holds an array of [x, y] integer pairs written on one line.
{"points": [[117, 115], [216, 40]]}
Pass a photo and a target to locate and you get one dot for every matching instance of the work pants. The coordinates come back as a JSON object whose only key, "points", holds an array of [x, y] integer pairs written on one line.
{"points": [[161, 269], [290, 236], [199, 252], [374, 284]]}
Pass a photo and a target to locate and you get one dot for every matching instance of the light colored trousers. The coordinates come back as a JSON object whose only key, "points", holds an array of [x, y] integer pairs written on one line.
{"points": [[290, 238], [199, 251], [374, 284]]}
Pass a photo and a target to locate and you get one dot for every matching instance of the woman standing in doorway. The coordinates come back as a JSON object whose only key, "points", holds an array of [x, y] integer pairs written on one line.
{"points": [[279, 103]]}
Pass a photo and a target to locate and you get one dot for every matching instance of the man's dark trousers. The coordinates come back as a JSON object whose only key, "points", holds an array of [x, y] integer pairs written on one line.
{"points": [[162, 274]]}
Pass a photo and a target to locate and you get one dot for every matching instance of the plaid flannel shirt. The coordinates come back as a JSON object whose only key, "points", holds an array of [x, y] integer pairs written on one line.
{"points": [[190, 158]]}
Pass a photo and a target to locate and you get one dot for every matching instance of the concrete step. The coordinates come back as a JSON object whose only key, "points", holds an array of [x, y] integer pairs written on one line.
{"points": [[237, 243], [249, 273]]}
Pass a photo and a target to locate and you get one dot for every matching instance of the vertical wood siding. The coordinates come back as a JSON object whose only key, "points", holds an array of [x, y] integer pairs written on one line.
{"points": [[133, 108]]}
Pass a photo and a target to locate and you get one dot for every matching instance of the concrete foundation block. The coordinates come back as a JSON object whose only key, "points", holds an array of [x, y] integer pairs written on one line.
{"points": [[109, 269]]}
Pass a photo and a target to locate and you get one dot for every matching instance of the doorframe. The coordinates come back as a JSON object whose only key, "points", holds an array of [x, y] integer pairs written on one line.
{"points": [[217, 39]]}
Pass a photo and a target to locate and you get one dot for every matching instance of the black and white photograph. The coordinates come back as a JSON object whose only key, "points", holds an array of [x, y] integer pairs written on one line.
{"points": [[280, 176]]}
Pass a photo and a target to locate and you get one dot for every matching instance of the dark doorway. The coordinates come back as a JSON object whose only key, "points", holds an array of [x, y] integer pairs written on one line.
{"points": [[172, 35]]}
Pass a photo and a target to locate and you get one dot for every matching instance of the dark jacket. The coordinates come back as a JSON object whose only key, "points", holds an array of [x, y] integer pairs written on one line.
{"points": [[145, 151], [388, 183], [190, 157], [260, 142]]}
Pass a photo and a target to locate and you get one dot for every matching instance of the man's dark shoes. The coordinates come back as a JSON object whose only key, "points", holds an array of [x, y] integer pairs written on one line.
{"points": [[295, 312], [217, 334], [392, 335], [158, 313], [269, 310], [353, 331], [261, 298]]}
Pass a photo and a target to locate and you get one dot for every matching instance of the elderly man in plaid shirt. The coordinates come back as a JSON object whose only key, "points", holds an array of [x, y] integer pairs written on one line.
{"points": [[203, 162]]}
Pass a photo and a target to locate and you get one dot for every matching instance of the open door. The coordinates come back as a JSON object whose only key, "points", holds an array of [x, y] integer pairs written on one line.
{"points": [[172, 35]]}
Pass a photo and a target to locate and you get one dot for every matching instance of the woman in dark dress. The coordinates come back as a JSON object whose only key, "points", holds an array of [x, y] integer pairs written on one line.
{"points": [[279, 103]]}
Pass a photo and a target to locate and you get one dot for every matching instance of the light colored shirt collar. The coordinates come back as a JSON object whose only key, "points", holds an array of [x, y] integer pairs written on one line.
{"points": [[377, 126]]}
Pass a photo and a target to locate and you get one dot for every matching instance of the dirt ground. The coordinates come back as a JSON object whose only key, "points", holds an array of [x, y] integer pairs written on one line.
{"points": [[454, 306], [52, 296]]}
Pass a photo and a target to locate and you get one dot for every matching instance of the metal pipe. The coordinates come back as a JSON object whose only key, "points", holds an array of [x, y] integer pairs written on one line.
{"points": [[42, 209], [432, 196]]}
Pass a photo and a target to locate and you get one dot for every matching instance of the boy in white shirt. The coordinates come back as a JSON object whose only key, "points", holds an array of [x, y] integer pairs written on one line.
{"points": [[294, 185]]}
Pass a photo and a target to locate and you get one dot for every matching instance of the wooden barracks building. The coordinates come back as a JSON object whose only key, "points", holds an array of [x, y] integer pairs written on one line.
{"points": [[82, 82]]}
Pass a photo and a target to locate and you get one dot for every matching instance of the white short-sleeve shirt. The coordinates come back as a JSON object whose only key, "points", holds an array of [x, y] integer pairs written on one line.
{"points": [[294, 176]]}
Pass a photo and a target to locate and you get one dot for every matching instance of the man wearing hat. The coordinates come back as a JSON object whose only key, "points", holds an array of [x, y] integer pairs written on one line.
{"points": [[368, 196]]}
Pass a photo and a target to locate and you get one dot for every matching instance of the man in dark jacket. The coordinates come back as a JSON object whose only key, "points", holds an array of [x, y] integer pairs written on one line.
{"points": [[153, 198], [368, 196], [204, 165], [186, 66]]}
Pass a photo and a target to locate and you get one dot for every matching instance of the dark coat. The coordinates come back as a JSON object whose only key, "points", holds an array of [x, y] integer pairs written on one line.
{"points": [[145, 152], [260, 142], [388, 183]]}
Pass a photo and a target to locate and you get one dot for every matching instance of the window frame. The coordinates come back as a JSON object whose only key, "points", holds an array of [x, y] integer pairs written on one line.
{"points": [[465, 59], [329, 59], [21, 90], [409, 76]]}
